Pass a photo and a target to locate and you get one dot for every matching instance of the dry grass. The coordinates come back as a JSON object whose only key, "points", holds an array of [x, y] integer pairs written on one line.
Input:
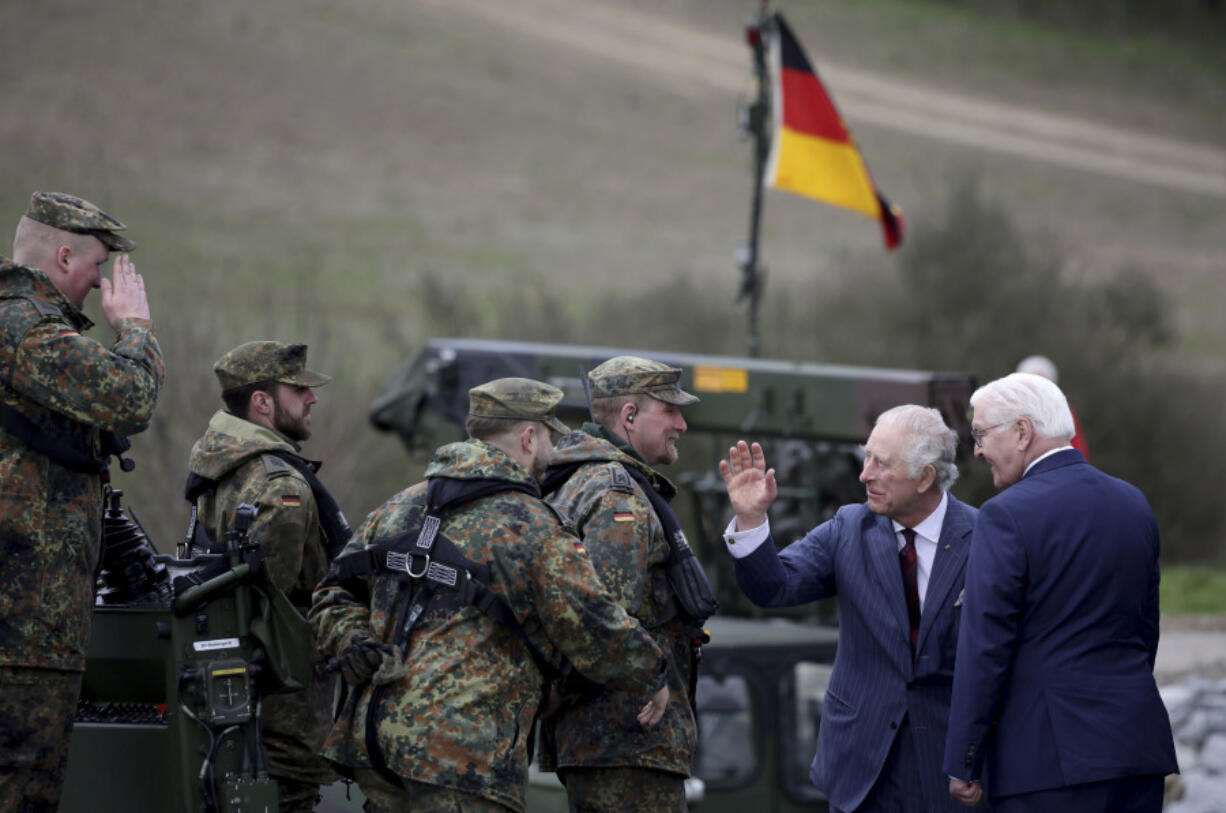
{"points": [[293, 168]]}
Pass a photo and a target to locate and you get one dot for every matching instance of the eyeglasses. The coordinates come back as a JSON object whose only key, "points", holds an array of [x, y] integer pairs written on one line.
{"points": [[977, 434]]}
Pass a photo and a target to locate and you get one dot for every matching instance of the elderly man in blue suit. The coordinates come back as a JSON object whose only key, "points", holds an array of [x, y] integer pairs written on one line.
{"points": [[1054, 689], [896, 565]]}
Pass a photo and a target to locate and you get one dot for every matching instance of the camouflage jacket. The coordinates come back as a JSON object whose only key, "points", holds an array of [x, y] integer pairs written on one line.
{"points": [[70, 387], [626, 544], [233, 452], [463, 715], [286, 526]]}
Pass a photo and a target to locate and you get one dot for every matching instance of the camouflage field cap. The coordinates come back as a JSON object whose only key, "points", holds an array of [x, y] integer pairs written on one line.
{"points": [[631, 375], [267, 361], [70, 213], [519, 399]]}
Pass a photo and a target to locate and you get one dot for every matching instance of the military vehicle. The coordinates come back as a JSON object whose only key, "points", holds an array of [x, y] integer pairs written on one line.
{"points": [[763, 676], [811, 418], [181, 652], [170, 700]]}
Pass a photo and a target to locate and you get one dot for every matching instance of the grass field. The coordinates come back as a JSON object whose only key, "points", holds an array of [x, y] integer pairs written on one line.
{"points": [[1193, 590], [300, 169]]}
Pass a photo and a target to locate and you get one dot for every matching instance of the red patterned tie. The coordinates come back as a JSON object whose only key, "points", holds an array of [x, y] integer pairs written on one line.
{"points": [[906, 558]]}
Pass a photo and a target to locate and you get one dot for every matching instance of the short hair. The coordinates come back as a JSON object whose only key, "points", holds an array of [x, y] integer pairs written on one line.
{"points": [[480, 428], [1026, 395], [238, 400], [606, 410], [34, 243], [929, 442]]}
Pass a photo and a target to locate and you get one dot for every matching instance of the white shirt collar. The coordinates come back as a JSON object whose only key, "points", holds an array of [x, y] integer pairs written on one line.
{"points": [[1045, 454], [930, 526]]}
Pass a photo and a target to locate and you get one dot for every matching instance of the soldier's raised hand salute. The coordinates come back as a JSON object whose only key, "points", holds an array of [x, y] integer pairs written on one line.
{"points": [[123, 295]]}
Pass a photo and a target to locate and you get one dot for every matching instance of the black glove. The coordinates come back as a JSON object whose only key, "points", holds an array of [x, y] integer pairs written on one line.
{"points": [[359, 658]]}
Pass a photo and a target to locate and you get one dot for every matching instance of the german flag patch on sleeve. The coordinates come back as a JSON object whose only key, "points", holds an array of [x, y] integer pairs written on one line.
{"points": [[291, 499], [623, 516]]}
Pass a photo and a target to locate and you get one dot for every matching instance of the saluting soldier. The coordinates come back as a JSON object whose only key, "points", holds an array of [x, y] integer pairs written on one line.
{"points": [[251, 453], [607, 485], [453, 604], [63, 400]]}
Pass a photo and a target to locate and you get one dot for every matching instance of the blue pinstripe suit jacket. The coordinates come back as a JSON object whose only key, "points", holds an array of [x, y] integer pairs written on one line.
{"points": [[854, 556]]}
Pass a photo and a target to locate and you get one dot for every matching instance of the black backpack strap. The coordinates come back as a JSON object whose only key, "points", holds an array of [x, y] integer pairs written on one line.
{"points": [[197, 539], [433, 562], [685, 574], [59, 450], [335, 527], [557, 475], [445, 494]]}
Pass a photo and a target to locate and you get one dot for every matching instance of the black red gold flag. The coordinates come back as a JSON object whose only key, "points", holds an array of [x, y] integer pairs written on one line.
{"points": [[812, 152]]}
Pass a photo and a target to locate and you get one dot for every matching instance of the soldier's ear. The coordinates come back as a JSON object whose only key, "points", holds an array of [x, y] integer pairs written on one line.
{"points": [[261, 403], [527, 438], [628, 411], [63, 255]]}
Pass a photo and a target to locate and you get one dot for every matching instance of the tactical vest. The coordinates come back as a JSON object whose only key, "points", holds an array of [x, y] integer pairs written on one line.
{"points": [[440, 577]]}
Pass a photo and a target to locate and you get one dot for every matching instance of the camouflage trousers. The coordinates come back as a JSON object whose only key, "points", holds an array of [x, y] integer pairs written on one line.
{"points": [[382, 796], [293, 728], [37, 707], [623, 790]]}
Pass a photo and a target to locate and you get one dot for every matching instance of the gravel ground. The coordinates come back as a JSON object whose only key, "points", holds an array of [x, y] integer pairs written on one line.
{"points": [[1191, 645]]}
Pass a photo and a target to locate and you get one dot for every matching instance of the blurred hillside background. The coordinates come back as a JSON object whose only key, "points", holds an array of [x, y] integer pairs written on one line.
{"points": [[365, 175]]}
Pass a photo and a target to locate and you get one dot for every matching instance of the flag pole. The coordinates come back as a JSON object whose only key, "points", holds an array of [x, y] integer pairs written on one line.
{"points": [[754, 123]]}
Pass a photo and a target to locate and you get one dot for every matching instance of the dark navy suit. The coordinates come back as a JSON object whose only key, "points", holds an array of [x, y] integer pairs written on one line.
{"points": [[875, 688], [1059, 635]]}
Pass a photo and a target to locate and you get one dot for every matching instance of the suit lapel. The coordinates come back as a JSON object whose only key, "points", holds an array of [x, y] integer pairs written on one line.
{"points": [[952, 550], [883, 550]]}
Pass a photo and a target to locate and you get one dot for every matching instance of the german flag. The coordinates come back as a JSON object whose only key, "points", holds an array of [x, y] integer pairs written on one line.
{"points": [[812, 152]]}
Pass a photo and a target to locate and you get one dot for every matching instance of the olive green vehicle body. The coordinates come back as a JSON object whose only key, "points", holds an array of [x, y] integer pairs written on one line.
{"points": [[133, 745]]}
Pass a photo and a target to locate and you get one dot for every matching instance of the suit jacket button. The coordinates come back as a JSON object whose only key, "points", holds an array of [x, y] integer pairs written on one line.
{"points": [[893, 725]]}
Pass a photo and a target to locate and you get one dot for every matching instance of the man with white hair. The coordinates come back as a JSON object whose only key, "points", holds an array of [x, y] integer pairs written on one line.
{"points": [[1054, 700], [896, 565], [1042, 365]]}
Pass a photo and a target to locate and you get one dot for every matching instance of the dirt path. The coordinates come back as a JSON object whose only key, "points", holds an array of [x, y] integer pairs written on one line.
{"points": [[693, 62]]}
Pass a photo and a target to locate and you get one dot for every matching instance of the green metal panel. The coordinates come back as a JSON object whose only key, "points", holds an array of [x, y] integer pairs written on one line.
{"points": [[761, 397], [134, 744]]}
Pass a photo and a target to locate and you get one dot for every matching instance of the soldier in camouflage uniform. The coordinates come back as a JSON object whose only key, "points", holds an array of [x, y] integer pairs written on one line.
{"points": [[606, 765], [440, 717], [251, 454], [60, 394]]}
